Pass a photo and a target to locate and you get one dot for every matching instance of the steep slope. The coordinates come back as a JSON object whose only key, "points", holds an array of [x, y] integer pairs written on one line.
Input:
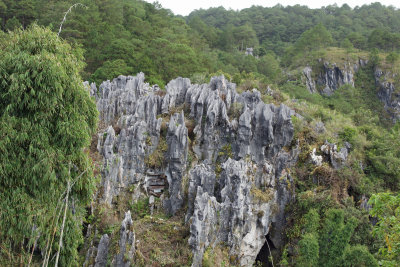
{"points": [[327, 77]]}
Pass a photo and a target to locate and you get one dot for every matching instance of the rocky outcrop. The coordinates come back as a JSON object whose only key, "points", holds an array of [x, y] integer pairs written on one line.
{"points": [[331, 77], [124, 255], [238, 186], [203, 177], [337, 158], [309, 81], [387, 93], [176, 157], [126, 244], [240, 214], [102, 251], [127, 105], [316, 159]]}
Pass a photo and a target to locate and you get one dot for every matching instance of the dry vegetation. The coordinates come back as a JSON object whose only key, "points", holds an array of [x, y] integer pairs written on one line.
{"points": [[162, 241]]}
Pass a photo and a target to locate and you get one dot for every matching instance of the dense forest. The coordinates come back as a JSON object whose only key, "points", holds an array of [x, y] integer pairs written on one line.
{"points": [[347, 216], [132, 36]]}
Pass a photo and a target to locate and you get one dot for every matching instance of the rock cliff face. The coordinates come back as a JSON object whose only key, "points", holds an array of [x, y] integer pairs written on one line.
{"points": [[330, 77], [387, 93], [220, 157]]}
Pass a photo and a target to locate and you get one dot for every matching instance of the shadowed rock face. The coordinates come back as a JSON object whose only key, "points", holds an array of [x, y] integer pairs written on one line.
{"points": [[387, 93], [240, 214], [126, 244], [330, 78], [237, 183]]}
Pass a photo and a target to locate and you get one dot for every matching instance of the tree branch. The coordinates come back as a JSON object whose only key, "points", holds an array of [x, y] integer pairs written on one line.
{"points": [[66, 13]]}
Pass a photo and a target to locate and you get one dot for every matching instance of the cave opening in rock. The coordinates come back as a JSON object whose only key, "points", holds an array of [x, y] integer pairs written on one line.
{"points": [[263, 257]]}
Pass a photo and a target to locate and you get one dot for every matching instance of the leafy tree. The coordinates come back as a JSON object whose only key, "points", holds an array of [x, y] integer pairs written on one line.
{"points": [[357, 39], [308, 245], [358, 256], [392, 57], [334, 238], [384, 156], [171, 60], [47, 118], [110, 70], [269, 66], [312, 220], [3, 10], [226, 40], [247, 63], [308, 250], [386, 208], [314, 39], [12, 24], [346, 44], [384, 40], [374, 58], [207, 32], [244, 36]]}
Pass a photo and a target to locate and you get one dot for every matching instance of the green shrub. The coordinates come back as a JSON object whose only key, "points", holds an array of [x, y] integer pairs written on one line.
{"points": [[311, 221], [141, 208], [308, 251], [358, 256], [335, 236], [348, 134]]}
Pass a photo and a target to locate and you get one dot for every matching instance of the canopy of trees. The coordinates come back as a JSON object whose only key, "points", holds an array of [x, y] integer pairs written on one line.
{"points": [[145, 37]]}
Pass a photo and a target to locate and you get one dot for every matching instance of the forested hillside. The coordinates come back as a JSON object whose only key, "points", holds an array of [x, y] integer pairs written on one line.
{"points": [[128, 36], [291, 110]]}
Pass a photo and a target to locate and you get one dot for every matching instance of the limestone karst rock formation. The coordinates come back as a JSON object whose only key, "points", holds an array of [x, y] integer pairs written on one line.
{"points": [[235, 183], [331, 76], [387, 93]]}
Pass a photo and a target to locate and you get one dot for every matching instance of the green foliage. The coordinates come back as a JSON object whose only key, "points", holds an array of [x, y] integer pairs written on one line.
{"points": [[335, 236], [41, 107], [226, 151], [386, 208], [12, 24], [392, 57], [217, 256], [110, 70], [374, 58], [308, 47], [308, 250], [312, 220], [384, 39], [346, 44], [236, 110], [314, 39], [47, 119], [308, 245], [141, 208], [348, 134], [268, 65], [358, 256], [265, 195], [384, 155]]}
